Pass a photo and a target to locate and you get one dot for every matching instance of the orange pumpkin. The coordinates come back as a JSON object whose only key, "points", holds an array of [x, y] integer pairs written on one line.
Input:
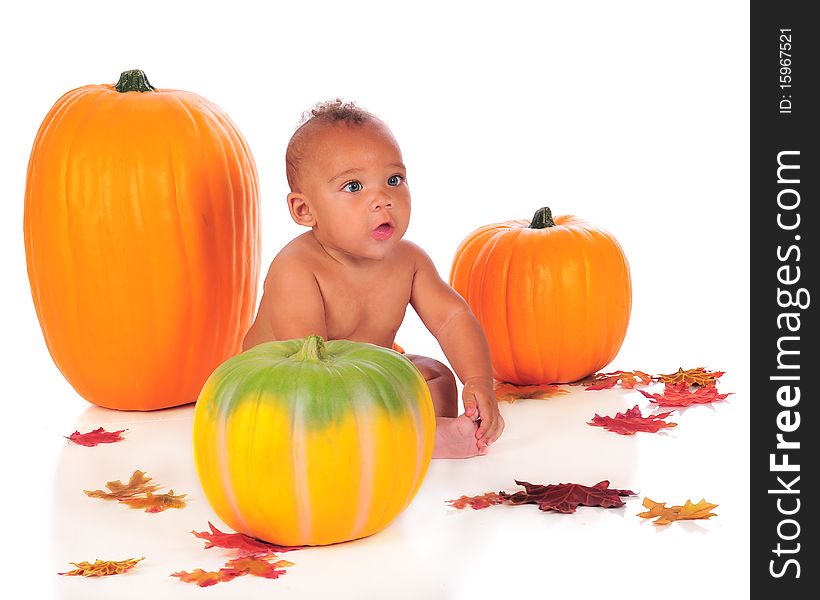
{"points": [[553, 296], [142, 241]]}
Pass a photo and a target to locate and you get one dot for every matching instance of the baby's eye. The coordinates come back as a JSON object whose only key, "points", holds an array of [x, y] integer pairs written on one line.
{"points": [[394, 180], [352, 186]]}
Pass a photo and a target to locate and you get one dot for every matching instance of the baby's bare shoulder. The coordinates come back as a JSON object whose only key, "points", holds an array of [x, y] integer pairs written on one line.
{"points": [[295, 259], [412, 256]]}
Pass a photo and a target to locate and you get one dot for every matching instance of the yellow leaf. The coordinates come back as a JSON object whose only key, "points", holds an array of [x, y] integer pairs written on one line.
{"points": [[103, 567], [664, 515]]}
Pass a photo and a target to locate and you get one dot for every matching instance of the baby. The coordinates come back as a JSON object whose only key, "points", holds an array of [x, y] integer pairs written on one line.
{"points": [[352, 275]]}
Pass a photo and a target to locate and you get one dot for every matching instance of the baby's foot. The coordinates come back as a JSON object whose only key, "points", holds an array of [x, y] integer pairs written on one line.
{"points": [[455, 438]]}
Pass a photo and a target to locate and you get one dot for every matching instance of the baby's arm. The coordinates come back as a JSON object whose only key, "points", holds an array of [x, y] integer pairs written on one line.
{"points": [[291, 305], [461, 338]]}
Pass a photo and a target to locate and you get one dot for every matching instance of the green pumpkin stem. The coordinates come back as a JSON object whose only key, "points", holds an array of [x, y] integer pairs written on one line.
{"points": [[133, 81], [313, 349], [542, 219]]}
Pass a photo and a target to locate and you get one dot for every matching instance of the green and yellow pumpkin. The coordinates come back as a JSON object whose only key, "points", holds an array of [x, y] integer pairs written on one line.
{"points": [[303, 442]]}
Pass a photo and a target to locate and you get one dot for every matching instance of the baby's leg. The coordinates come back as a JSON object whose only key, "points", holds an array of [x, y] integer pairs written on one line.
{"points": [[455, 435]]}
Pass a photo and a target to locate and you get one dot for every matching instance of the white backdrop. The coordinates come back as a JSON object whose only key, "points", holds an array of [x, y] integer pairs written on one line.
{"points": [[633, 115]]}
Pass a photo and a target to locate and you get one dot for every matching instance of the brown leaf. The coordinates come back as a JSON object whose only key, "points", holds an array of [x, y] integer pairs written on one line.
{"points": [[667, 514], [244, 543], [678, 395], [566, 497], [508, 392], [627, 380], [97, 436], [138, 484], [154, 503], [631, 421], [477, 502], [103, 567], [698, 376]]}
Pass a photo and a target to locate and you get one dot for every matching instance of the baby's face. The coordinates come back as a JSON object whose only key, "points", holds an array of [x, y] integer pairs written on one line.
{"points": [[354, 181]]}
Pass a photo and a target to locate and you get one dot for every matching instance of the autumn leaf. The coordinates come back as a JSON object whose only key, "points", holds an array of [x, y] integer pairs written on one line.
{"points": [[698, 376], [508, 392], [477, 502], [138, 484], [566, 497], [627, 380], [561, 497], [664, 515], [154, 503], [207, 578], [244, 543], [678, 395], [103, 567], [98, 436], [254, 565], [245, 565], [631, 421]]}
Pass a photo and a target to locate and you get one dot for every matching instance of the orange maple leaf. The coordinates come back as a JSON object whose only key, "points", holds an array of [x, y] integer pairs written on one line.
{"points": [[206, 578], [664, 515], [154, 503], [138, 484], [697, 376], [101, 568], [627, 380], [255, 565], [508, 392]]}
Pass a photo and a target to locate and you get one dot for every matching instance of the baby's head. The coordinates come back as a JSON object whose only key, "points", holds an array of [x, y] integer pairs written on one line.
{"points": [[348, 181]]}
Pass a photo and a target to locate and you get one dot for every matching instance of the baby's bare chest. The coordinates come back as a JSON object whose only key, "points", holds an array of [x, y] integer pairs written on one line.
{"points": [[366, 308]]}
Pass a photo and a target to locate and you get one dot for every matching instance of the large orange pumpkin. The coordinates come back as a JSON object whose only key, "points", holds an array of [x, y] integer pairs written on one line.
{"points": [[142, 241], [553, 296]]}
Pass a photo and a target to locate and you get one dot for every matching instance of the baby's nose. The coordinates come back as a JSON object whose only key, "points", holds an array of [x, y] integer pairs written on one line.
{"points": [[381, 200]]}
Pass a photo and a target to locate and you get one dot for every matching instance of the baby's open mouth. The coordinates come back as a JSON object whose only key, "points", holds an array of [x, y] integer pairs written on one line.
{"points": [[383, 231]]}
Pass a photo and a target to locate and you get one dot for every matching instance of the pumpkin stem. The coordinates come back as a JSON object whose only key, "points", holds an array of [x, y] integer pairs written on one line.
{"points": [[313, 349], [542, 219], [133, 81]]}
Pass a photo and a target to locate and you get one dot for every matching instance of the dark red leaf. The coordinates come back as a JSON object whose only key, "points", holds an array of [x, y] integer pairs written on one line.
{"points": [[566, 497]]}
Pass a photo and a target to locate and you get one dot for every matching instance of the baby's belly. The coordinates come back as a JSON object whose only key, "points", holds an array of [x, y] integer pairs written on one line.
{"points": [[381, 336]]}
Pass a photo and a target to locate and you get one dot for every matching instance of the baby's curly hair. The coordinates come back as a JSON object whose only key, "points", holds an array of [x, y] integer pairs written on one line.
{"points": [[328, 112]]}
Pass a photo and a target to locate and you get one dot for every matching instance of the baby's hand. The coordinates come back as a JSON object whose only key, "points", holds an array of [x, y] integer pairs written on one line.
{"points": [[480, 404]]}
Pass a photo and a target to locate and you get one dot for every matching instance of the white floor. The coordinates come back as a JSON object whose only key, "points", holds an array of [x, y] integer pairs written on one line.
{"points": [[433, 551]]}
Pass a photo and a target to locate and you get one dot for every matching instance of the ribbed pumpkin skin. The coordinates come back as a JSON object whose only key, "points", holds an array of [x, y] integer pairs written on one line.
{"points": [[554, 303], [142, 242], [306, 451]]}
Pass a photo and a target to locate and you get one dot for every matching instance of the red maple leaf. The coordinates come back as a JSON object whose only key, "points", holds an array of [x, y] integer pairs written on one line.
{"points": [[566, 497], [627, 379], [678, 395], [247, 545], [477, 502], [98, 436], [631, 421]]}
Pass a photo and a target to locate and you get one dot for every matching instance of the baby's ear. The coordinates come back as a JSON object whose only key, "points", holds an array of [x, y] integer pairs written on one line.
{"points": [[300, 210]]}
